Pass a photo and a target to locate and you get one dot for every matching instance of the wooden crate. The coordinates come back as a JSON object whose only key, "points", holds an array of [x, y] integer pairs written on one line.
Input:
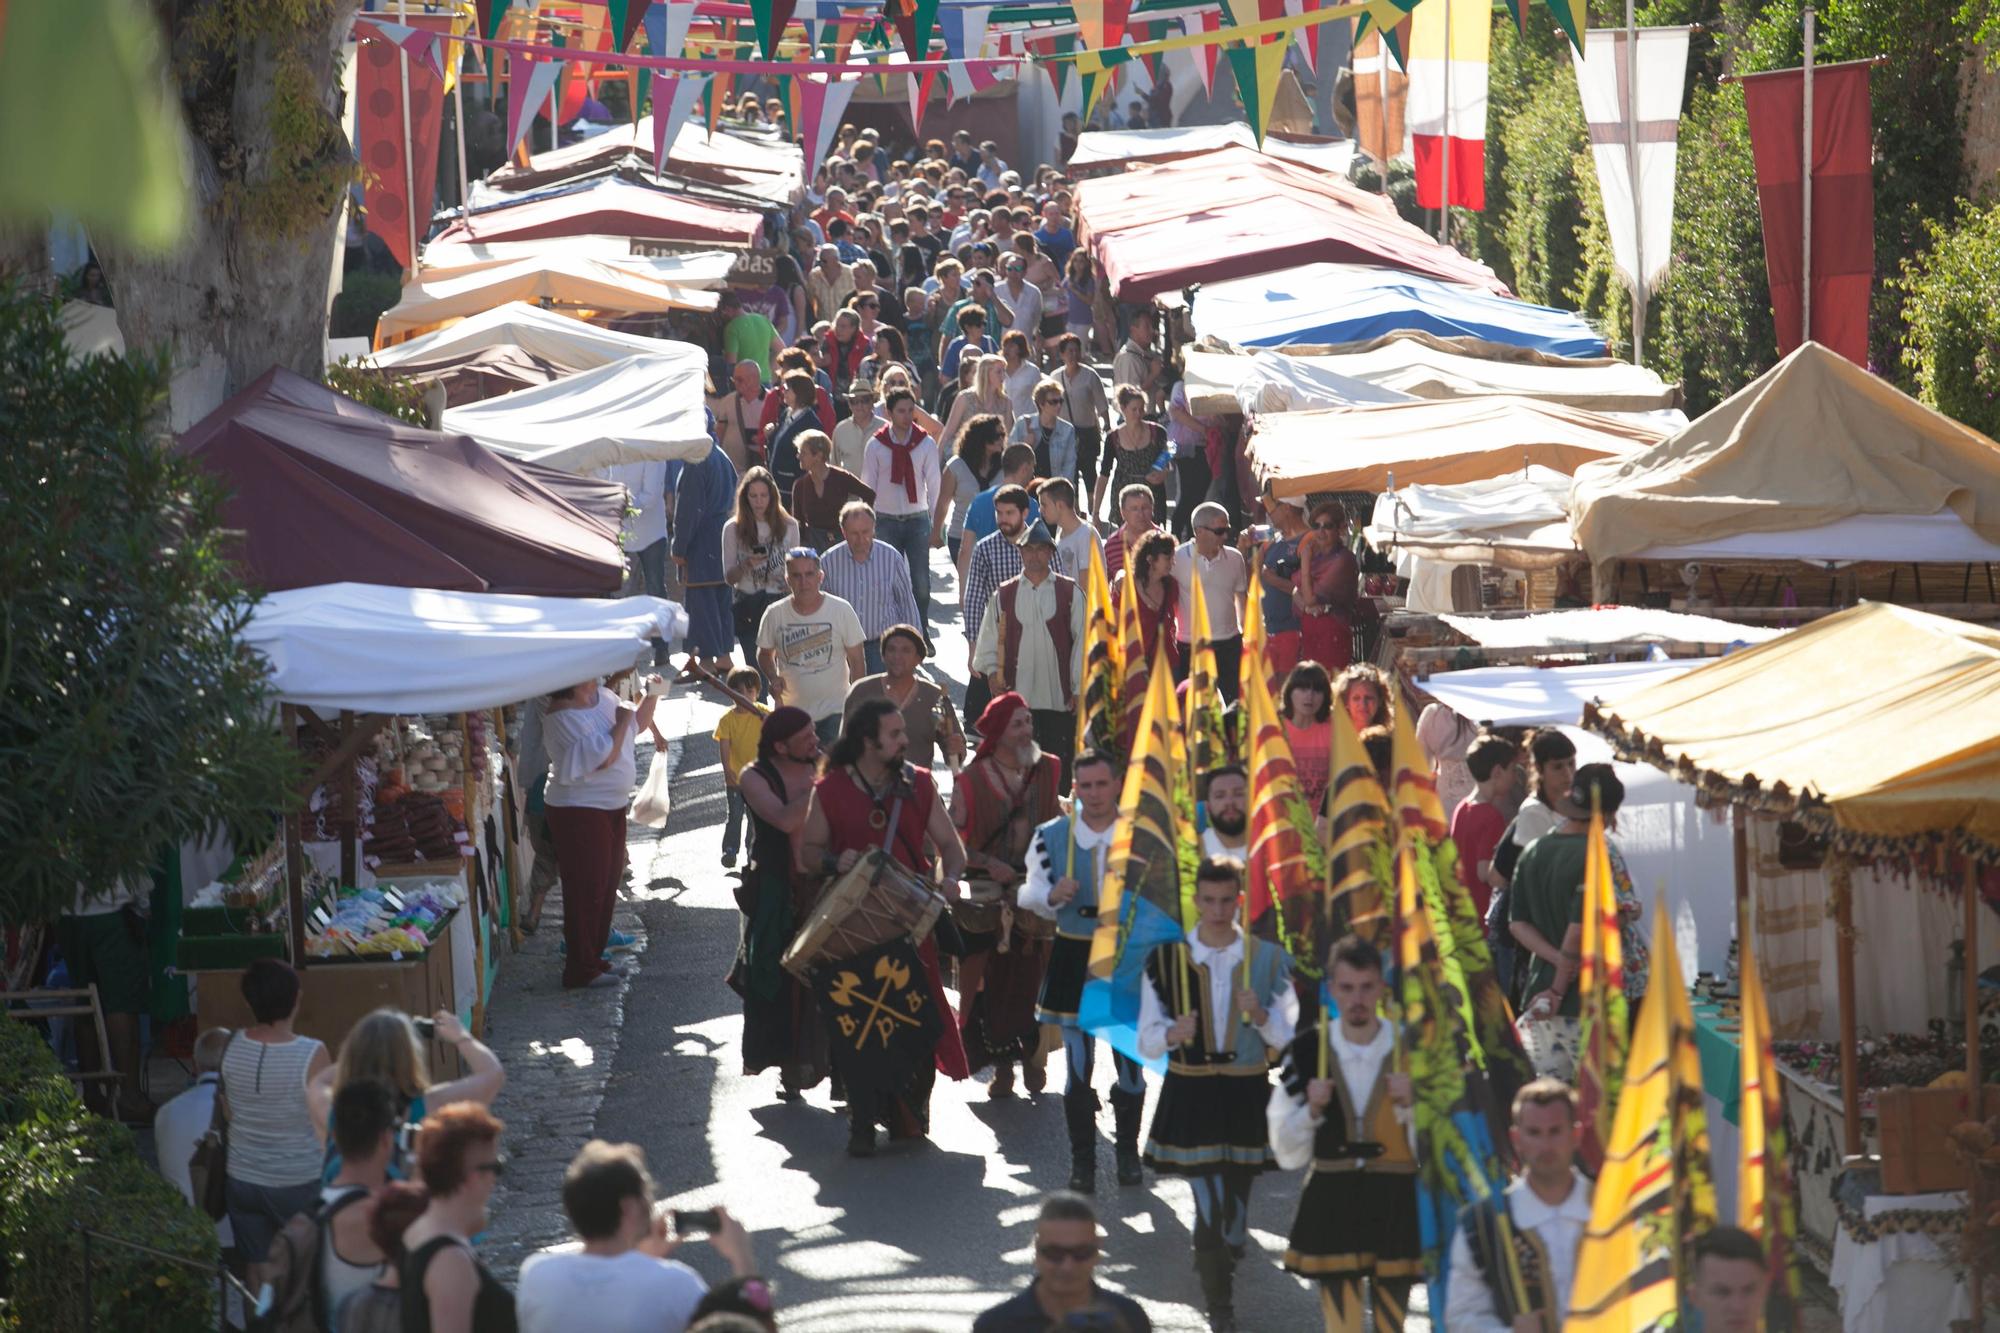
{"points": [[1913, 1125]]}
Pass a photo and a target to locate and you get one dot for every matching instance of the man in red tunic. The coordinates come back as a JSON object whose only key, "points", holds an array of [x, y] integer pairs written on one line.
{"points": [[869, 797], [1007, 791]]}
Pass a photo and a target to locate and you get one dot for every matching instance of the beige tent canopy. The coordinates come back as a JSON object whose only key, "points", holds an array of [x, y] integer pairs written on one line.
{"points": [[577, 282], [1433, 443], [1813, 442]]}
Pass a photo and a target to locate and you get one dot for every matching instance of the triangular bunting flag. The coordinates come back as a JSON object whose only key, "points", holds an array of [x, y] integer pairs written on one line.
{"points": [[529, 84], [490, 13], [770, 18], [963, 28], [1257, 69], [667, 29], [821, 105], [1208, 20], [957, 83], [920, 86], [1101, 23], [915, 21], [682, 92], [1308, 36]]}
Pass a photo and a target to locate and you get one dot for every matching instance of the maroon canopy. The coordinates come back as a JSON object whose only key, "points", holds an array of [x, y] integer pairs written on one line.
{"points": [[328, 490]]}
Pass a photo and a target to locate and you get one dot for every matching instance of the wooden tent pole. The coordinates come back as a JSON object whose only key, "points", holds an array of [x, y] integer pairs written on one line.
{"points": [[1850, 1057], [1740, 837], [294, 832], [1976, 1212]]}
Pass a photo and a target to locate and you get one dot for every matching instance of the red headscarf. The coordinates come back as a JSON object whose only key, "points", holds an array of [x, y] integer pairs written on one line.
{"points": [[994, 720]]}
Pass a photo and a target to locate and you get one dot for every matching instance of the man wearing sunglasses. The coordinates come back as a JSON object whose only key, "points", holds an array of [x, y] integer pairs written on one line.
{"points": [[1225, 584], [1064, 1293]]}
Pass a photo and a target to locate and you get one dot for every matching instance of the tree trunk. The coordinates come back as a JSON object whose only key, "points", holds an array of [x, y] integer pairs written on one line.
{"points": [[251, 284]]}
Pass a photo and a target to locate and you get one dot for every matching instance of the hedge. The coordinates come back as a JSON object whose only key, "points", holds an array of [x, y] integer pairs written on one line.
{"points": [[1953, 305], [60, 1166]]}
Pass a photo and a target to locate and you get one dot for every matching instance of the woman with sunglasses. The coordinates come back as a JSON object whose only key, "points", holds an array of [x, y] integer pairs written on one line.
{"points": [[445, 1286], [1329, 585]]}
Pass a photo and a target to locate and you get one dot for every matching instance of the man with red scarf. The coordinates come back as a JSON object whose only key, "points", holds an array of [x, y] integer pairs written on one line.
{"points": [[901, 466], [1007, 790], [868, 796]]}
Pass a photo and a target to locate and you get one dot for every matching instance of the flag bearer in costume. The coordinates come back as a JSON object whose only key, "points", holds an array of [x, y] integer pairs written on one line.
{"points": [[1341, 1106], [870, 797], [1007, 790], [1215, 1005], [1511, 1270], [1065, 867]]}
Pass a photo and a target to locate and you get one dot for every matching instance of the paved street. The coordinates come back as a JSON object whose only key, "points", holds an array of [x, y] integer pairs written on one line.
{"points": [[919, 1238]]}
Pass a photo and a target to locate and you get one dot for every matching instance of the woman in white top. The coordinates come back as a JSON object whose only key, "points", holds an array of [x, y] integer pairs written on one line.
{"points": [[754, 543], [1020, 375], [975, 462], [592, 770], [274, 1139], [988, 394]]}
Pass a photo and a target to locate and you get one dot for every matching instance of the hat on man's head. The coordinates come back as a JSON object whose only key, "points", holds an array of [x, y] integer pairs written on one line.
{"points": [[1036, 534], [783, 724]]}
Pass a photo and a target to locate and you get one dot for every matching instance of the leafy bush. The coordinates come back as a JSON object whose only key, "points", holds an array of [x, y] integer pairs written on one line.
{"points": [[60, 1167], [363, 297], [1953, 306], [400, 398]]}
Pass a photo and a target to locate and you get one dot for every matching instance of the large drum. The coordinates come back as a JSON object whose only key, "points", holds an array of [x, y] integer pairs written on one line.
{"points": [[876, 900]]}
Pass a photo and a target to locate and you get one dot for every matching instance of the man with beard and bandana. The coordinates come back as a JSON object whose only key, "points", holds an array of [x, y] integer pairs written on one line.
{"points": [[1005, 792], [870, 797], [780, 1029], [1227, 804], [1065, 866]]}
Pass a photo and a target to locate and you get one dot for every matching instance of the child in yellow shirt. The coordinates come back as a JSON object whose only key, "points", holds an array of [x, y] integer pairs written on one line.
{"points": [[738, 730]]}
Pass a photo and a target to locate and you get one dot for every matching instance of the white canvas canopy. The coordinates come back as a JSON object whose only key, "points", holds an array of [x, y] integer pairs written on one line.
{"points": [[1603, 625], [1428, 368], [638, 410], [1516, 521], [373, 649], [1110, 150], [442, 259], [547, 334], [1262, 380], [627, 285]]}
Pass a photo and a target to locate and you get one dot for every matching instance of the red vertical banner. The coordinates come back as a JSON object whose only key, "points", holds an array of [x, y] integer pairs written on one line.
{"points": [[1843, 201], [379, 93]]}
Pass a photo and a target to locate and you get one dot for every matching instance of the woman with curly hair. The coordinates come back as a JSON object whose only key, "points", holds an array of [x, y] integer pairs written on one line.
{"points": [[1364, 692]]}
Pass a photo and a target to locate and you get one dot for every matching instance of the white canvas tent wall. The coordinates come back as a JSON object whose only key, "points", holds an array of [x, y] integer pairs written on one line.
{"points": [[1428, 367], [629, 285], [1262, 380], [1516, 521], [372, 649], [548, 334], [641, 409]]}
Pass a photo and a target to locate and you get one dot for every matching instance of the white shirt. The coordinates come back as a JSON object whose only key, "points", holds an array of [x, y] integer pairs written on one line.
{"points": [[625, 1293], [1092, 846], [1213, 845], [811, 652], [124, 892], [177, 1127], [1469, 1306], [578, 740], [1290, 1121], [1037, 674], [766, 572], [1073, 549], [647, 483], [1027, 307], [877, 464], [1281, 1011], [1019, 384], [850, 443], [1225, 581]]}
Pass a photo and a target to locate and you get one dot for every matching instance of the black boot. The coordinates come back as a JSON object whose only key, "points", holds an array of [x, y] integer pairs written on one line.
{"points": [[1125, 1110], [1080, 1115], [1217, 1271]]}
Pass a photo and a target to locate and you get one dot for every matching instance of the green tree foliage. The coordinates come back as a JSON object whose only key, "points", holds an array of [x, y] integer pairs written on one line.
{"points": [[130, 716], [1952, 300]]}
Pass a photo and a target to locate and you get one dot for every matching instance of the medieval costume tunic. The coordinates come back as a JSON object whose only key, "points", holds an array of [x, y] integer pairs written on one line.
{"points": [[1483, 1297], [1209, 1124], [895, 820], [1357, 1215], [998, 823], [1071, 849], [780, 1028]]}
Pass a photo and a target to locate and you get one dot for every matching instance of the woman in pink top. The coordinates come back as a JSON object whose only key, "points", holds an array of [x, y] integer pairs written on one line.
{"points": [[1328, 585], [1308, 707], [1159, 593]]}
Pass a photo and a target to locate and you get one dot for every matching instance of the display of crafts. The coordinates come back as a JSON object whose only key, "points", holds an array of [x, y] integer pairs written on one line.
{"points": [[383, 920], [1900, 1060]]}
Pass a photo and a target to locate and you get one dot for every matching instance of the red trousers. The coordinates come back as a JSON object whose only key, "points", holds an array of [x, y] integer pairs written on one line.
{"points": [[590, 855], [1281, 654], [1327, 639]]}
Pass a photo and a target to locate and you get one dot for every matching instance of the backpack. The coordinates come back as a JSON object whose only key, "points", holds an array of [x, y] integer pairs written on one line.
{"points": [[298, 1253], [373, 1309]]}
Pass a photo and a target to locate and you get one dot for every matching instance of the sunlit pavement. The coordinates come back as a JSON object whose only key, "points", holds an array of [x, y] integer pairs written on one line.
{"points": [[920, 1237]]}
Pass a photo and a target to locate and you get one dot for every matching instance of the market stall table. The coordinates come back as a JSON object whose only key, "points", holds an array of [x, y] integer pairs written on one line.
{"points": [[1892, 1259]]}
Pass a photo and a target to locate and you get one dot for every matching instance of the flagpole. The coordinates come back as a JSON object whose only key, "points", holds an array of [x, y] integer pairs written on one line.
{"points": [[409, 167], [1444, 140], [1632, 171], [1805, 182]]}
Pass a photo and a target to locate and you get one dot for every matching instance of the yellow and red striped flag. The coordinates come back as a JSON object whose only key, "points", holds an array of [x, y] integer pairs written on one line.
{"points": [[1287, 861], [1099, 715], [1358, 842], [1207, 743], [1132, 654], [1604, 1036], [1766, 1194]]}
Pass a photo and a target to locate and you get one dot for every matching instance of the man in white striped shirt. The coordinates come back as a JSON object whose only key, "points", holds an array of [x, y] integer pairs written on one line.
{"points": [[872, 576]]}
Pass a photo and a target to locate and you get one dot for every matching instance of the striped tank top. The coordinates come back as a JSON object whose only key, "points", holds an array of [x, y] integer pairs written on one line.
{"points": [[271, 1138]]}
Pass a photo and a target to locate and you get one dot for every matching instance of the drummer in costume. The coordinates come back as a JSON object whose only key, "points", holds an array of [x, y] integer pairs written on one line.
{"points": [[869, 796], [1065, 866], [1007, 789], [780, 1029], [1217, 1014], [1341, 1106]]}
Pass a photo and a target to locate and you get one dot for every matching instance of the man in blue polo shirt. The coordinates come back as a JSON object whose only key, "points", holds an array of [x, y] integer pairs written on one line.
{"points": [[1065, 1284]]}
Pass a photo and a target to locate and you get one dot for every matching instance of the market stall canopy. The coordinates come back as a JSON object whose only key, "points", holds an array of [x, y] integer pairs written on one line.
{"points": [[1101, 151], [374, 649], [548, 335], [608, 286], [610, 207], [450, 259], [640, 410], [1812, 441], [1260, 380], [765, 167], [1516, 521], [1352, 301], [326, 490], [1600, 625], [1236, 212], [1877, 722], [1537, 696], [1426, 366], [1425, 443]]}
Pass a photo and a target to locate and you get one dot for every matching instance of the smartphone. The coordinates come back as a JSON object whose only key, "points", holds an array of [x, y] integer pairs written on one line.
{"points": [[1260, 532], [689, 1220], [427, 1028]]}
